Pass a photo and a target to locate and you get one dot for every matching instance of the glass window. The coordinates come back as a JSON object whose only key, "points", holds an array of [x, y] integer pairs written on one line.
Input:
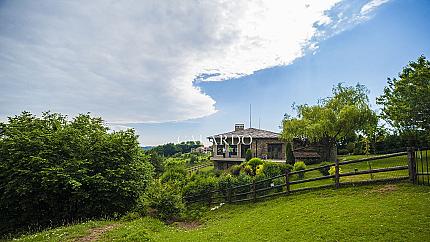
{"points": [[219, 149], [233, 149]]}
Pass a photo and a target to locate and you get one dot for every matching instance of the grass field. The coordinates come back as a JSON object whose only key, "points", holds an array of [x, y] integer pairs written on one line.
{"points": [[395, 212], [362, 166]]}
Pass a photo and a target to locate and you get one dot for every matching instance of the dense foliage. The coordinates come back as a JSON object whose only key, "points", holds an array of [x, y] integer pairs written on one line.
{"points": [[289, 153], [300, 166], [248, 155], [324, 170], [161, 201], [346, 113], [406, 99], [171, 149], [53, 170]]}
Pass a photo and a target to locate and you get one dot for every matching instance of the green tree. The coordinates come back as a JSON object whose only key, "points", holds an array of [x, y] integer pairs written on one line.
{"points": [[156, 160], [406, 99], [54, 171], [332, 119], [289, 153], [248, 154]]}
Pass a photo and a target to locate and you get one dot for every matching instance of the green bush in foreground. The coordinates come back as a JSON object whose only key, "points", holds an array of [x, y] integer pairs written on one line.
{"points": [[174, 175], [271, 169], [254, 162], [201, 187], [54, 171], [299, 166], [324, 170], [234, 170], [161, 201]]}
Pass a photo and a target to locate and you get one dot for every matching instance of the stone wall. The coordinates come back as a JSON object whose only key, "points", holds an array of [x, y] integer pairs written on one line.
{"points": [[259, 147]]}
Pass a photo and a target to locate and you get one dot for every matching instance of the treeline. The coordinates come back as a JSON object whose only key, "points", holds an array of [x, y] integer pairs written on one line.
{"points": [[55, 171], [346, 120], [171, 149]]}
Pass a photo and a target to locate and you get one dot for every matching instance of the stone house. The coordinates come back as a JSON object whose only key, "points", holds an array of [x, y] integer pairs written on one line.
{"points": [[230, 148]]}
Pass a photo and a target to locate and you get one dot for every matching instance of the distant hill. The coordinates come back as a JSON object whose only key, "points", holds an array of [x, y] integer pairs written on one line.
{"points": [[147, 147]]}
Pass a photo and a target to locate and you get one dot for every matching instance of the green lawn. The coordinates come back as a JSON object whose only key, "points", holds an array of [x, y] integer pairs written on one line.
{"points": [[396, 212], [382, 163]]}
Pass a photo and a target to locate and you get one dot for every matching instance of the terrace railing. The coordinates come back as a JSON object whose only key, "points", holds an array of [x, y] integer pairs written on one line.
{"points": [[384, 168]]}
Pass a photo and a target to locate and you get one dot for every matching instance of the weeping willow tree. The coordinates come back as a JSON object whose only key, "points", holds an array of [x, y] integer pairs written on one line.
{"points": [[346, 112]]}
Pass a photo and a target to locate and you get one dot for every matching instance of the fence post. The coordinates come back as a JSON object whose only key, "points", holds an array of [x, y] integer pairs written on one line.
{"points": [[336, 174], [412, 165], [254, 193], [287, 181]]}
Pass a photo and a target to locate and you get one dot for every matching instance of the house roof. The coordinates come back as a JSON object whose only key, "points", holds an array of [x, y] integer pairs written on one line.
{"points": [[254, 133]]}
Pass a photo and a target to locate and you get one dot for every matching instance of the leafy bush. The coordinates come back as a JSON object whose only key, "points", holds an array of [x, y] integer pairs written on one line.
{"points": [[259, 170], [299, 166], [324, 170], [248, 155], [243, 179], [235, 170], [200, 187], [193, 159], [285, 167], [254, 162], [342, 151], [279, 181], [174, 175], [271, 169], [156, 161], [54, 171], [226, 182], [162, 202], [131, 216], [332, 170], [247, 169]]}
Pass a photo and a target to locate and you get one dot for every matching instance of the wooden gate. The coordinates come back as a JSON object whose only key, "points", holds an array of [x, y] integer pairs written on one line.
{"points": [[421, 169]]}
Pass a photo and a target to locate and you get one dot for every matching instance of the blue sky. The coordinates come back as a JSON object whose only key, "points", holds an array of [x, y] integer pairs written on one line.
{"points": [[367, 53], [135, 68]]}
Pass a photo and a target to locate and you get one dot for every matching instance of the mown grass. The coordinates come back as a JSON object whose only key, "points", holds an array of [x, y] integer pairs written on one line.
{"points": [[65, 233], [362, 166], [396, 212]]}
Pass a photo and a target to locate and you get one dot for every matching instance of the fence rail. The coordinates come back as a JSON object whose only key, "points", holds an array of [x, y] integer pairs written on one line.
{"points": [[383, 168], [198, 167]]}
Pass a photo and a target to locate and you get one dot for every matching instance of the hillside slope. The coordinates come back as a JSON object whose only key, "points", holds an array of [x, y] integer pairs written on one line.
{"points": [[396, 212]]}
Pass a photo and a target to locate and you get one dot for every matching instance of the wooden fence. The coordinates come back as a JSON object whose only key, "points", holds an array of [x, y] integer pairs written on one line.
{"points": [[384, 168], [198, 167]]}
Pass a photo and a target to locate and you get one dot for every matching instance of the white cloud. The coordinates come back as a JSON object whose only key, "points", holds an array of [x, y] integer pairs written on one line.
{"points": [[372, 5], [135, 61]]}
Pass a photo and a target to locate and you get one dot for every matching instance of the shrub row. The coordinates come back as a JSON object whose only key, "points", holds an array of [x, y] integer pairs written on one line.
{"points": [[55, 171]]}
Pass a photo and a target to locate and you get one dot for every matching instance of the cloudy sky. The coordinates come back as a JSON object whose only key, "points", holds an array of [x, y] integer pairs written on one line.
{"points": [[181, 69]]}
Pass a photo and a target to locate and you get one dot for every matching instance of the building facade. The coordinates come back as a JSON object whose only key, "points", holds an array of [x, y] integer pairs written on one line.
{"points": [[230, 148]]}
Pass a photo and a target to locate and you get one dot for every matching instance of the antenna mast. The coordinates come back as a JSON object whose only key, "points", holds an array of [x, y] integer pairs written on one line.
{"points": [[250, 122]]}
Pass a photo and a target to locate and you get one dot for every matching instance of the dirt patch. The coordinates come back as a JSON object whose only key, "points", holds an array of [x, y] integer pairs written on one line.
{"points": [[386, 188], [95, 233], [188, 225]]}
